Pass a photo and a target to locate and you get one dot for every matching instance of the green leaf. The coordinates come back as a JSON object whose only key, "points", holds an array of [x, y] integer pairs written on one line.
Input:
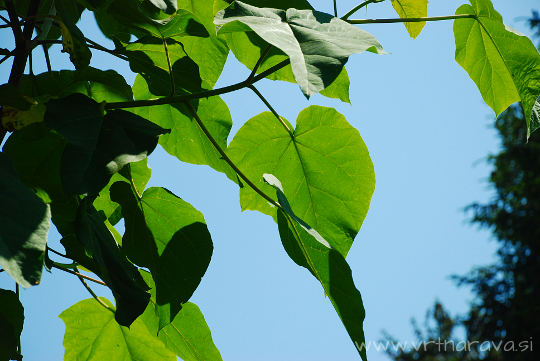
{"points": [[339, 88], [187, 334], [324, 166], [11, 324], [412, 9], [168, 236], [93, 335], [189, 337], [317, 44], [186, 141], [504, 65], [309, 249], [94, 83], [138, 171], [122, 277], [148, 57], [25, 225], [204, 11], [210, 54], [36, 152], [97, 146]]}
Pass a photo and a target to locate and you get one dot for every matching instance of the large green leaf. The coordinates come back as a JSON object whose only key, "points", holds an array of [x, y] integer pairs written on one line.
{"points": [[93, 335], [324, 166], [317, 44], [25, 225], [122, 277], [11, 324], [187, 334], [168, 236], [187, 141], [411, 9], [309, 249], [504, 64], [97, 146]]}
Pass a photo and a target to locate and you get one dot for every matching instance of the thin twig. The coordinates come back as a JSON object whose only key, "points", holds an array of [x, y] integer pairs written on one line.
{"points": [[259, 62], [335, 8], [94, 294], [47, 59], [411, 20], [227, 159], [358, 7], [6, 57], [5, 20], [269, 106], [80, 275], [204, 94]]}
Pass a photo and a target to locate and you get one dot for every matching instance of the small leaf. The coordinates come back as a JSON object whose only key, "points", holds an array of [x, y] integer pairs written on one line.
{"points": [[412, 9], [121, 276], [25, 225], [309, 249], [15, 119], [324, 164], [504, 65], [92, 334], [317, 44], [168, 236], [11, 324]]}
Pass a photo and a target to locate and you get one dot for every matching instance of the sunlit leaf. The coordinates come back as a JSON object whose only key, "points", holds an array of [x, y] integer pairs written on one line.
{"points": [[92, 334], [504, 64], [411, 9], [324, 166]]}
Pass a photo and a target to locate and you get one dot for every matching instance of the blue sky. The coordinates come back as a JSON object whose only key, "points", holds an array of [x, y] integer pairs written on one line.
{"points": [[428, 133]]}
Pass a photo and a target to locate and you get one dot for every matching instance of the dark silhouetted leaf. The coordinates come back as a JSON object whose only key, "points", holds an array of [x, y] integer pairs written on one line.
{"points": [[25, 225]]}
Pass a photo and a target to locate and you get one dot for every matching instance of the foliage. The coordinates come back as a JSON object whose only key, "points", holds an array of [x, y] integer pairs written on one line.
{"points": [[80, 140], [505, 308]]}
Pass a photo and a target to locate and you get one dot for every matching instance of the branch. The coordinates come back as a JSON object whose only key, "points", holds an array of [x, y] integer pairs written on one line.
{"points": [[259, 62], [23, 39], [93, 294], [335, 8], [358, 7], [204, 94], [227, 159], [80, 275], [411, 20]]}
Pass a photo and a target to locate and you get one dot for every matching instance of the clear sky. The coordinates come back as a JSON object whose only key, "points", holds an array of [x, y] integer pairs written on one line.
{"points": [[428, 133]]}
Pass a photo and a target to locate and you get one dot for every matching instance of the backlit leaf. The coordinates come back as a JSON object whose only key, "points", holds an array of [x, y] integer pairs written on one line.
{"points": [[504, 65], [324, 166], [411, 9], [92, 334]]}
